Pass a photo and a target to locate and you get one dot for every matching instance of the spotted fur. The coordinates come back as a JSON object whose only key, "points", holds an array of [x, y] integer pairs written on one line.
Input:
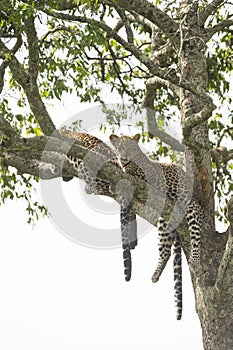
{"points": [[97, 185], [177, 268], [172, 181]]}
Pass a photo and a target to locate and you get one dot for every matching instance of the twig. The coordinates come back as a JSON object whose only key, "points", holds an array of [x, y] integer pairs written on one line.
{"points": [[57, 29]]}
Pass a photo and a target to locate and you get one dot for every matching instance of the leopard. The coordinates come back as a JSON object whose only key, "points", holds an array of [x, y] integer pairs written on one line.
{"points": [[173, 182], [98, 186]]}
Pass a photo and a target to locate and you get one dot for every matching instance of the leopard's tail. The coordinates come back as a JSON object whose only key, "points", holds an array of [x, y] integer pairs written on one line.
{"points": [[127, 258], [177, 268], [127, 229], [132, 235]]}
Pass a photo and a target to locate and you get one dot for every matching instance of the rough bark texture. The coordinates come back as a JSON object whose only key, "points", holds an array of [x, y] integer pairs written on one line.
{"points": [[213, 303]]}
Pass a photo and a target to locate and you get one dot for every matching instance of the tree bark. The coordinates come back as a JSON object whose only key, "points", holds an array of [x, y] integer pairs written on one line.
{"points": [[213, 285]]}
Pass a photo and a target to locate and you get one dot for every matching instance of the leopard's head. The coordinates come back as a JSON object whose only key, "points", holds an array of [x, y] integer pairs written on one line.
{"points": [[125, 145]]}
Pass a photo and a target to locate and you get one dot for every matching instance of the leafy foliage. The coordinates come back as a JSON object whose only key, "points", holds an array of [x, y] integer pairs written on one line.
{"points": [[14, 186], [78, 54]]}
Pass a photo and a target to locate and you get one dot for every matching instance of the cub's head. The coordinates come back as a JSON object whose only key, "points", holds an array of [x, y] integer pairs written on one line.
{"points": [[125, 146]]}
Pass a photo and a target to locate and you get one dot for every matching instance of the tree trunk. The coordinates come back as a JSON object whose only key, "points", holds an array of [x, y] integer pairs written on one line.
{"points": [[213, 290], [216, 315], [213, 284]]}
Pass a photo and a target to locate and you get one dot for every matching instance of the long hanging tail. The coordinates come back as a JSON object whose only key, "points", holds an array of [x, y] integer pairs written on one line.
{"points": [[132, 234], [127, 259], [177, 268], [127, 231]]}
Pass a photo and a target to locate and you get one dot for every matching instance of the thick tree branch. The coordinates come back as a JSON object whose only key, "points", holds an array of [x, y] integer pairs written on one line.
{"points": [[59, 4], [65, 4], [31, 90], [196, 119], [147, 25], [227, 257], [163, 136], [7, 59], [13, 62], [5, 127], [163, 52], [33, 50], [217, 28], [148, 103], [160, 50], [228, 254], [209, 10], [152, 13], [157, 81], [50, 161], [33, 167], [37, 145], [3, 67], [126, 23], [222, 154]]}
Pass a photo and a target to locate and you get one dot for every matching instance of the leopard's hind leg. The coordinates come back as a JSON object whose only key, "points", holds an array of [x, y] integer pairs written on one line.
{"points": [[165, 241], [194, 216]]}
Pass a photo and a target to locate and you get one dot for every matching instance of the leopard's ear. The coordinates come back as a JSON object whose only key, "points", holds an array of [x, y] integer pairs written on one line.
{"points": [[136, 137], [113, 138]]}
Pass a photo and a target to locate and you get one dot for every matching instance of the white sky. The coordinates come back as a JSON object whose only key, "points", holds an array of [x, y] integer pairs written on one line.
{"points": [[56, 294]]}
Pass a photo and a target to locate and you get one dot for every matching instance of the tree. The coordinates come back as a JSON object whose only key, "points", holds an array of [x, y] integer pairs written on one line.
{"points": [[173, 59]]}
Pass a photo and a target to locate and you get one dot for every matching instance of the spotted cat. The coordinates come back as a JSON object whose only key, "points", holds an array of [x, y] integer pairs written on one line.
{"points": [[94, 184], [172, 181]]}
